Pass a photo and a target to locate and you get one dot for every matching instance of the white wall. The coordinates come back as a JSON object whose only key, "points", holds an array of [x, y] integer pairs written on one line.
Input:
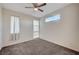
{"points": [[26, 32], [64, 32], [0, 26]]}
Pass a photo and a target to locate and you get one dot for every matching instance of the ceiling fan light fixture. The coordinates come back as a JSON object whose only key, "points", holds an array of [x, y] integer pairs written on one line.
{"points": [[36, 9], [36, 6]]}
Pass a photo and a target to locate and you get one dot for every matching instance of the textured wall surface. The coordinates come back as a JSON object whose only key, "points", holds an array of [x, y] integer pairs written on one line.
{"points": [[26, 32], [64, 32]]}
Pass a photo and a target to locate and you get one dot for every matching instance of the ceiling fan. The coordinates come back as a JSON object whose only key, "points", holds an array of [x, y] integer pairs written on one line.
{"points": [[36, 6]]}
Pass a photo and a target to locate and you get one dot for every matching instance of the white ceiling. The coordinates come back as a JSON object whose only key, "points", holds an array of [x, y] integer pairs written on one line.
{"points": [[20, 7]]}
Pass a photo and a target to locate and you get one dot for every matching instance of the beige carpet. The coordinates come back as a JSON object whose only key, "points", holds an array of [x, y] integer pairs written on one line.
{"points": [[36, 47]]}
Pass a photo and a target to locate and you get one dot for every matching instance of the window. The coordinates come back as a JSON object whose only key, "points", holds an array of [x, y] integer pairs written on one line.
{"points": [[53, 18], [14, 29], [35, 28], [15, 25]]}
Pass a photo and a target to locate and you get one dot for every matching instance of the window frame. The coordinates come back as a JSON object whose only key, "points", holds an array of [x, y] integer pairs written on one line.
{"points": [[48, 19], [14, 25]]}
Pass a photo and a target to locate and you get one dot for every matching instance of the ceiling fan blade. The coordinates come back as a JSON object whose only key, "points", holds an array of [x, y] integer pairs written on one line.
{"points": [[40, 10], [28, 7], [42, 5]]}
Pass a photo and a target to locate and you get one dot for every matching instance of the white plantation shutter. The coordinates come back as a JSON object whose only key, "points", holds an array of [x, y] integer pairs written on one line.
{"points": [[35, 28], [15, 28], [15, 24]]}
